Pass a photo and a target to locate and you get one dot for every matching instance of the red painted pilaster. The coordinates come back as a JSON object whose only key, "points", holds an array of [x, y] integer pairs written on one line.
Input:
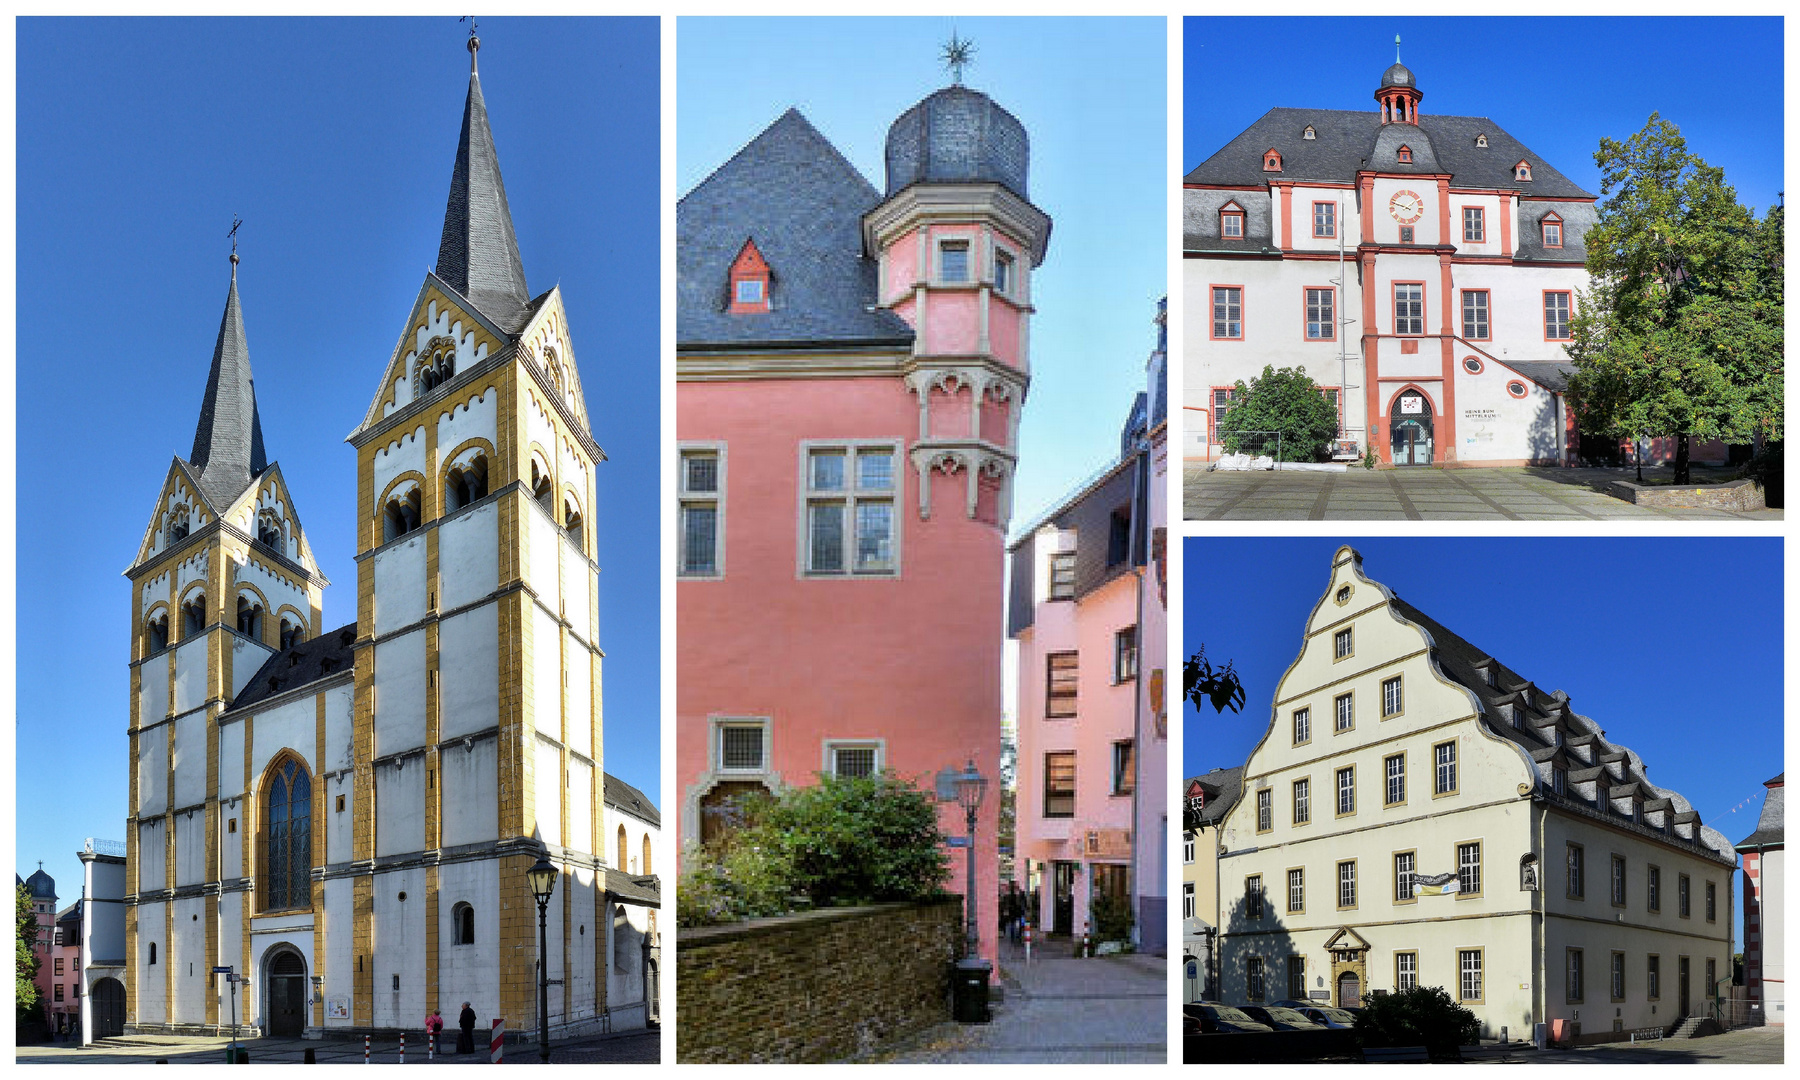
{"points": [[1371, 342], [1448, 339]]}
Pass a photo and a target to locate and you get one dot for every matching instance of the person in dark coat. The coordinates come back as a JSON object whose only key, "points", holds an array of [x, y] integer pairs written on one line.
{"points": [[465, 1039]]}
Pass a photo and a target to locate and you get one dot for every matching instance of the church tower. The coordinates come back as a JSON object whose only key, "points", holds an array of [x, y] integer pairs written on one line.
{"points": [[223, 579], [477, 732]]}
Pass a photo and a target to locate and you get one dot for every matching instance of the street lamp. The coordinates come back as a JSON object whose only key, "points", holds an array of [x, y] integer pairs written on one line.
{"points": [[970, 787], [543, 883]]}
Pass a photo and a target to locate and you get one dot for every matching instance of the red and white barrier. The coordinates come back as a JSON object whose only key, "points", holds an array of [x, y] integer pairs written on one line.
{"points": [[365, 1049], [497, 1045], [403, 1048]]}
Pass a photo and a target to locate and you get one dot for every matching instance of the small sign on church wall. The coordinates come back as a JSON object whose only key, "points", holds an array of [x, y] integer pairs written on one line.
{"points": [[1412, 405]]}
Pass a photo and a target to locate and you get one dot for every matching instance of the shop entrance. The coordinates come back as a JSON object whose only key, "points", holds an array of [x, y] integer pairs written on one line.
{"points": [[1410, 428]]}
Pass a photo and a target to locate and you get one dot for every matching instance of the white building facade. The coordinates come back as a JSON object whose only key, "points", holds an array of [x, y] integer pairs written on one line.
{"points": [[1422, 270], [1418, 814]]}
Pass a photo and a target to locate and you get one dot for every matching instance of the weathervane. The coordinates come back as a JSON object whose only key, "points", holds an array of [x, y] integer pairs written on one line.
{"points": [[474, 42], [958, 53]]}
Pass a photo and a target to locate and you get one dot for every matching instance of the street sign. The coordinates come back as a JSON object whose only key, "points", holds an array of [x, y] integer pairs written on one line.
{"points": [[957, 841], [221, 971]]}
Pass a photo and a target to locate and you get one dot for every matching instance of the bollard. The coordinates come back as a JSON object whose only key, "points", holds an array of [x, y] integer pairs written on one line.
{"points": [[431, 1046], [312, 1056], [1028, 943], [497, 1045], [403, 1048], [1087, 944], [365, 1049]]}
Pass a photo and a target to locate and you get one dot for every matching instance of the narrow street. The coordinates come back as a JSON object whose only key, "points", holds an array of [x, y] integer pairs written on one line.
{"points": [[1058, 1009]]}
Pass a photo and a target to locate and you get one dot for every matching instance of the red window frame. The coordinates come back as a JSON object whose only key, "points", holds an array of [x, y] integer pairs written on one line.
{"points": [[1331, 232], [1462, 317], [1394, 294], [749, 265], [1306, 319], [1231, 210], [1271, 160], [1480, 225], [1522, 171], [1212, 322], [1550, 221], [1212, 404], [1569, 307]]}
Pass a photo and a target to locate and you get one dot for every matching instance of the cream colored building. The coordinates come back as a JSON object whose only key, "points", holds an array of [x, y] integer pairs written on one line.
{"points": [[1399, 755], [1217, 792]]}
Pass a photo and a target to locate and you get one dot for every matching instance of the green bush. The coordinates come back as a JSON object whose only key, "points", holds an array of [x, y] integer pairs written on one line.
{"points": [[1112, 918], [840, 841], [1285, 401], [1423, 1016]]}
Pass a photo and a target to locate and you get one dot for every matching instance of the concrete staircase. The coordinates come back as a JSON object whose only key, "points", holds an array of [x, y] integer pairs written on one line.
{"points": [[1695, 1027]]}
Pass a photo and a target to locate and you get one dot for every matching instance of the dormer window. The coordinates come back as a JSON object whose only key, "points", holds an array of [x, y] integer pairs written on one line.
{"points": [[1231, 221], [1481, 140], [1405, 155], [749, 281], [1522, 171], [1271, 160], [1553, 231], [1309, 133]]}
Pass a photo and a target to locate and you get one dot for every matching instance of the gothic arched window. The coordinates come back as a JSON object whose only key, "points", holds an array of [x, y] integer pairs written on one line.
{"points": [[287, 855], [156, 633], [645, 869], [193, 616], [466, 483], [572, 520], [178, 524], [268, 531], [541, 489], [291, 633], [462, 925], [401, 514], [623, 865]]}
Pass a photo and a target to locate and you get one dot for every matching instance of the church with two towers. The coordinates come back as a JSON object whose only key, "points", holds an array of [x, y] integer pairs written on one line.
{"points": [[345, 816]]}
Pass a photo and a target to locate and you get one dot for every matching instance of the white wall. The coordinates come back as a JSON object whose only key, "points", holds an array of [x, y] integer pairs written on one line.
{"points": [[575, 575], [469, 556], [291, 726], [544, 547], [400, 806], [189, 962], [152, 855], [546, 674], [190, 759], [470, 802], [399, 947], [400, 693], [190, 674], [340, 949], [153, 770], [404, 454], [340, 826], [547, 763], [231, 758], [153, 689], [339, 746], [581, 952], [150, 996], [473, 419], [580, 690], [470, 972], [190, 847], [400, 584], [231, 845], [581, 793], [469, 671]]}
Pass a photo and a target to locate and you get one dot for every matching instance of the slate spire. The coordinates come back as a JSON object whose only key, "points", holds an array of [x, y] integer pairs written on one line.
{"points": [[228, 442], [479, 255]]}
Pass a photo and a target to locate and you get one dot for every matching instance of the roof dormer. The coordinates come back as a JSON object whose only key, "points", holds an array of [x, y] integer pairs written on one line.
{"points": [[1522, 172], [1404, 154], [1231, 221], [749, 281], [1481, 140], [1271, 160], [1309, 133]]}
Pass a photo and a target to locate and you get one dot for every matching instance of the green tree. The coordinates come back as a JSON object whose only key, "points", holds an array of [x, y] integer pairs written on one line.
{"points": [[25, 957], [1680, 331], [1423, 1016], [1203, 684], [1285, 401]]}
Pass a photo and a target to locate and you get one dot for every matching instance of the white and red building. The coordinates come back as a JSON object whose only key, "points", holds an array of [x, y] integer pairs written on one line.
{"points": [[1763, 855], [1423, 270]]}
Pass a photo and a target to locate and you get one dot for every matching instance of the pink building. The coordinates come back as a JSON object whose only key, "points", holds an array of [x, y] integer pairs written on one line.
{"points": [[43, 904], [851, 365], [1088, 608]]}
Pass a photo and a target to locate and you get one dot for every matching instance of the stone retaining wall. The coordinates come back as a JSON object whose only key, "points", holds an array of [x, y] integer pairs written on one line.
{"points": [[1737, 495], [818, 986]]}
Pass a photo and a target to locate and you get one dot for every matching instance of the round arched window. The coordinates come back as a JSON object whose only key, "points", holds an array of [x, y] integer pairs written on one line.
{"points": [[1472, 365], [1516, 388]]}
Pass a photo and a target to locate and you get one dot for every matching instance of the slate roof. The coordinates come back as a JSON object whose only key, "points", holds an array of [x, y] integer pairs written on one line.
{"points": [[792, 192], [1769, 825], [1614, 766], [958, 135], [1224, 787], [479, 253], [228, 441], [42, 885], [1344, 141], [1549, 374], [631, 800], [308, 662], [642, 891]]}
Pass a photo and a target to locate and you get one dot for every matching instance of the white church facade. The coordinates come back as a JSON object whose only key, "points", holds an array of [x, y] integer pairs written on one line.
{"points": [[345, 816], [1421, 269]]}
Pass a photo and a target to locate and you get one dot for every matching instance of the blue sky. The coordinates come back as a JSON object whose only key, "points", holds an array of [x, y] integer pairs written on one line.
{"points": [[1666, 643], [1093, 96], [1558, 85], [334, 140]]}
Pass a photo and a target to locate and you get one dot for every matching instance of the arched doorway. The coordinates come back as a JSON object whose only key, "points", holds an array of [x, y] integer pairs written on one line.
{"points": [[108, 1008], [718, 815], [285, 979], [1349, 991], [1410, 428]]}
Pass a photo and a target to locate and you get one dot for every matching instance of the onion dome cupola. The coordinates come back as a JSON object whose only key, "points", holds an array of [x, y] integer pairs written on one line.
{"points": [[958, 135], [41, 885], [1399, 92]]}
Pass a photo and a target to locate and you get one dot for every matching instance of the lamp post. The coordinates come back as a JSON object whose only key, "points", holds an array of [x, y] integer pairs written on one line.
{"points": [[970, 787], [543, 883]]}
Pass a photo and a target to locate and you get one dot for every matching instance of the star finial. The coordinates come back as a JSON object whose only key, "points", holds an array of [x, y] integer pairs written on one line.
{"points": [[958, 53]]}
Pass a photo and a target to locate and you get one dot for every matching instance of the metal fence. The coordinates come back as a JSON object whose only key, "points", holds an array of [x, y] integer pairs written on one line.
{"points": [[1737, 1011], [1281, 449]]}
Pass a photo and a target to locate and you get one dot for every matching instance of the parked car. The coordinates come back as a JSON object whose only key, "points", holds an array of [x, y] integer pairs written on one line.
{"points": [[1218, 1020], [1329, 1017], [1282, 1019]]}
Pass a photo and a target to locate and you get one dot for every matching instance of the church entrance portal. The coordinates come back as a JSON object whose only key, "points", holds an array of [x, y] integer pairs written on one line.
{"points": [[108, 1007], [286, 980], [1410, 427]]}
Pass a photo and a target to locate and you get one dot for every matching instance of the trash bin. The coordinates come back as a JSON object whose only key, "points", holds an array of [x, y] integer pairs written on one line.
{"points": [[237, 1055], [969, 990]]}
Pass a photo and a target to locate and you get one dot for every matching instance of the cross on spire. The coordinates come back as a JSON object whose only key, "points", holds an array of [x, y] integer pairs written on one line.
{"points": [[236, 223], [958, 53], [474, 42]]}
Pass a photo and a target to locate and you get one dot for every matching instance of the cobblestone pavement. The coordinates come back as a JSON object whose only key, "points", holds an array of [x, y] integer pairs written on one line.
{"points": [[642, 1047], [1107, 1010], [1429, 495], [1746, 1046]]}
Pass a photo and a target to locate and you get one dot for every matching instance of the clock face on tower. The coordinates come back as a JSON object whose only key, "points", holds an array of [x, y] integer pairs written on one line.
{"points": [[1406, 207]]}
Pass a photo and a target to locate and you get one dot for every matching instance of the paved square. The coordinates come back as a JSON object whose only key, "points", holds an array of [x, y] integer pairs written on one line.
{"points": [[1509, 494]]}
